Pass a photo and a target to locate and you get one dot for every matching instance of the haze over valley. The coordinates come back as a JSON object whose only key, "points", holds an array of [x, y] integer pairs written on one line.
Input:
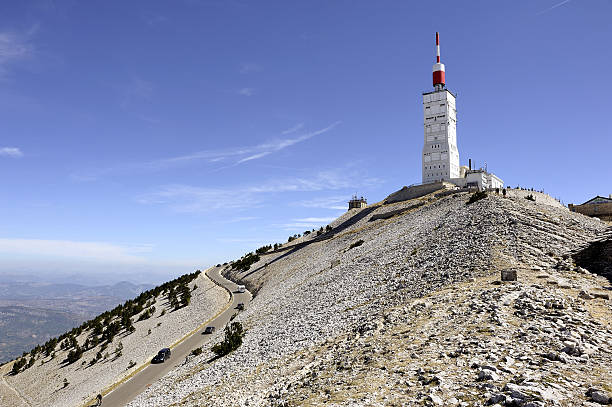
{"points": [[33, 312]]}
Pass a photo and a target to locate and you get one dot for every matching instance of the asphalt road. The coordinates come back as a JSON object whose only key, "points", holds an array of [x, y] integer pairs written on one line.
{"points": [[128, 391]]}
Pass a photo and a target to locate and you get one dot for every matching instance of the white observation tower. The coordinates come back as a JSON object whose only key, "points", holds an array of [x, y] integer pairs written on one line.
{"points": [[440, 154]]}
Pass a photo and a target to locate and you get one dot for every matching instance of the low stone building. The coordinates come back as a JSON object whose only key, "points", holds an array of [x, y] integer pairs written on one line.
{"points": [[357, 203], [598, 207]]}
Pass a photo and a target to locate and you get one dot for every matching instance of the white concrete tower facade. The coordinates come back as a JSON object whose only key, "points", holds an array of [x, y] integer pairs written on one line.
{"points": [[440, 154]]}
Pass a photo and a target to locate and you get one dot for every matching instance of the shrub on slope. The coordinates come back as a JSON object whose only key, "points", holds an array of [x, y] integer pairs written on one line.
{"points": [[232, 341], [477, 196]]}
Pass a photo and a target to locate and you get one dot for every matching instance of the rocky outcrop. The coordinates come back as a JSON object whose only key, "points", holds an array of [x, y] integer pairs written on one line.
{"points": [[597, 256], [526, 343]]}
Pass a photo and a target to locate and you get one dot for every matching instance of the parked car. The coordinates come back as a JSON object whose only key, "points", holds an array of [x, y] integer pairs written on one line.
{"points": [[241, 289], [209, 330], [162, 356], [240, 306]]}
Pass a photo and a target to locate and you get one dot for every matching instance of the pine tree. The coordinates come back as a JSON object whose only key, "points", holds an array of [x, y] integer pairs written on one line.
{"points": [[97, 328], [19, 363], [232, 341], [126, 322], [74, 354], [185, 295]]}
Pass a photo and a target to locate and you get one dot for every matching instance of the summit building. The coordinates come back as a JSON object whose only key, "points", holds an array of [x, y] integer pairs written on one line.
{"points": [[440, 160], [440, 153]]}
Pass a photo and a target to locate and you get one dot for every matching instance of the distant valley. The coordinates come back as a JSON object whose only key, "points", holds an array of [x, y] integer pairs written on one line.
{"points": [[33, 312]]}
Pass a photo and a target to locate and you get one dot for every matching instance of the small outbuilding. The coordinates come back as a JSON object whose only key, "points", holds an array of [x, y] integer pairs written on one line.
{"points": [[598, 207], [357, 203]]}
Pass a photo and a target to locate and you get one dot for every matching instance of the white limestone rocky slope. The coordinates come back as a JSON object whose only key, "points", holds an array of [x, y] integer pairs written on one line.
{"points": [[414, 314]]}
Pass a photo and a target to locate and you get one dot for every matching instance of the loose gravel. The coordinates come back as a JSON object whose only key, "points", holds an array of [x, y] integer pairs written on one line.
{"points": [[311, 294]]}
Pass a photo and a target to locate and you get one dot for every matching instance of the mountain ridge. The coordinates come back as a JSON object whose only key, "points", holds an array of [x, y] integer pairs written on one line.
{"points": [[316, 291]]}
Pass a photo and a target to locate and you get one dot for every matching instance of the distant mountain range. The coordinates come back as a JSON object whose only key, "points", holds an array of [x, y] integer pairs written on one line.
{"points": [[42, 290], [33, 312]]}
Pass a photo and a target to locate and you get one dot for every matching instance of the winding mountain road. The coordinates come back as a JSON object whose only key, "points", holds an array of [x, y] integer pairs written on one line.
{"points": [[128, 390]]}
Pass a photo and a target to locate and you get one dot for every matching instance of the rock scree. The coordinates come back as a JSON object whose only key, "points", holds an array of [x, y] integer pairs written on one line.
{"points": [[417, 314]]}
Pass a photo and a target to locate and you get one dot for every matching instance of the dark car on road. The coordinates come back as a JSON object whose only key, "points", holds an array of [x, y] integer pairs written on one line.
{"points": [[240, 306], [162, 356], [209, 330]]}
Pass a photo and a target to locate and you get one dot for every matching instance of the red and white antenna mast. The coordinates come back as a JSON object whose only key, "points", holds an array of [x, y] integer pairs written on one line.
{"points": [[438, 68]]}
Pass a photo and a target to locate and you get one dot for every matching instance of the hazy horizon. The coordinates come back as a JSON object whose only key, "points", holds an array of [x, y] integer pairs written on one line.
{"points": [[91, 275]]}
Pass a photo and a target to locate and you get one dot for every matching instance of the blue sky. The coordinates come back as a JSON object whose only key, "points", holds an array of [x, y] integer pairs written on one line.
{"points": [[148, 138]]}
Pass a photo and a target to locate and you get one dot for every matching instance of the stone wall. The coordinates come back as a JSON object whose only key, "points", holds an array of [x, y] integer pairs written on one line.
{"points": [[416, 191], [597, 256]]}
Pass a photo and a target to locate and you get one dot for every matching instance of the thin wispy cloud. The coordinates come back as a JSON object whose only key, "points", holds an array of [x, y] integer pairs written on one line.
{"points": [[246, 92], [154, 19], [249, 67], [14, 47], [193, 199], [225, 157], [238, 240], [280, 144], [238, 219], [336, 202], [322, 180], [136, 91], [149, 119], [74, 249], [293, 129], [554, 6], [254, 157], [13, 152], [299, 226], [315, 220], [307, 223]]}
